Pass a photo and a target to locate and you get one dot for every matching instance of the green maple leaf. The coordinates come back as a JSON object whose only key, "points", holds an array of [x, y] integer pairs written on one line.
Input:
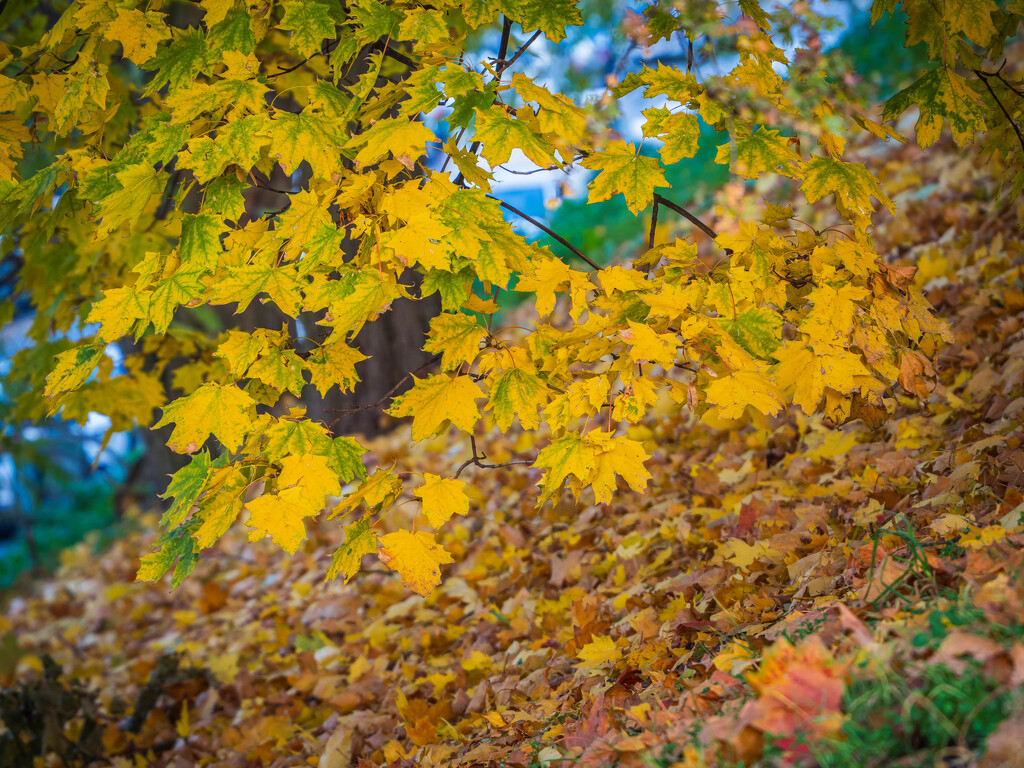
{"points": [[359, 540], [310, 23], [756, 330], [165, 140], [220, 507], [940, 95], [764, 150], [516, 393], [345, 458], [234, 32], [565, 456], [295, 436], [852, 183], [500, 134], [200, 240], [626, 172], [242, 139], [376, 19], [280, 369], [456, 337], [185, 486], [181, 287], [178, 63], [549, 16], [174, 547], [224, 198], [451, 285], [221, 410]]}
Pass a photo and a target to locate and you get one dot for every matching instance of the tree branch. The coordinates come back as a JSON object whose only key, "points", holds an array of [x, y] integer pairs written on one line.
{"points": [[662, 200], [983, 76], [547, 230], [387, 50], [359, 409], [522, 49], [477, 460]]}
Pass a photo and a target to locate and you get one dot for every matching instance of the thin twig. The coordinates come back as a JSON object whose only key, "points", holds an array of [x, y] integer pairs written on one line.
{"points": [[517, 54], [982, 76], [359, 409], [477, 460], [387, 50], [662, 200], [654, 226], [547, 230]]}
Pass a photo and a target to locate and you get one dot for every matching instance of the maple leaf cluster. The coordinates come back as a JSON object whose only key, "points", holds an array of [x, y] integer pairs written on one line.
{"points": [[785, 593], [162, 129]]}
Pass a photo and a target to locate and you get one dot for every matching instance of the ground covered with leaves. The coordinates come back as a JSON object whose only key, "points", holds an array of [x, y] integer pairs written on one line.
{"points": [[787, 593]]}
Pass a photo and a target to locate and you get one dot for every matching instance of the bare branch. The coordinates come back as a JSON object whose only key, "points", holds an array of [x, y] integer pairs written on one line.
{"points": [[547, 230], [983, 76], [377, 404], [662, 200], [477, 460]]}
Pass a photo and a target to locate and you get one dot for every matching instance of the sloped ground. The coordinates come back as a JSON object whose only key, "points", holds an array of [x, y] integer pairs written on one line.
{"points": [[799, 595]]}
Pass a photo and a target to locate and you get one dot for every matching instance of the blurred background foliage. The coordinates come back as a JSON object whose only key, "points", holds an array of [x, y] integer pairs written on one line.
{"points": [[59, 482]]}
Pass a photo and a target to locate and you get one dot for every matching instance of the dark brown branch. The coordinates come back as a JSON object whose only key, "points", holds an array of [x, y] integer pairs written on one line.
{"points": [[662, 200], [547, 230], [522, 49], [984, 78], [387, 50], [377, 404], [654, 225], [477, 460]]}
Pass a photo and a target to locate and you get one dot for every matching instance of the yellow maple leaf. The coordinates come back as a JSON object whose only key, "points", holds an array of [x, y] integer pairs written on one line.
{"points": [[616, 456], [548, 276], [311, 474], [405, 139], [516, 393], [416, 557], [436, 400], [221, 410], [280, 516], [442, 498], [734, 392], [139, 33], [566, 456], [624, 170], [646, 345], [601, 650]]}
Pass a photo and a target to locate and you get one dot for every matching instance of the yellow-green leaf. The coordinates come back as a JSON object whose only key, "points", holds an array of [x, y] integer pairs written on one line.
{"points": [[624, 171], [221, 410]]}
